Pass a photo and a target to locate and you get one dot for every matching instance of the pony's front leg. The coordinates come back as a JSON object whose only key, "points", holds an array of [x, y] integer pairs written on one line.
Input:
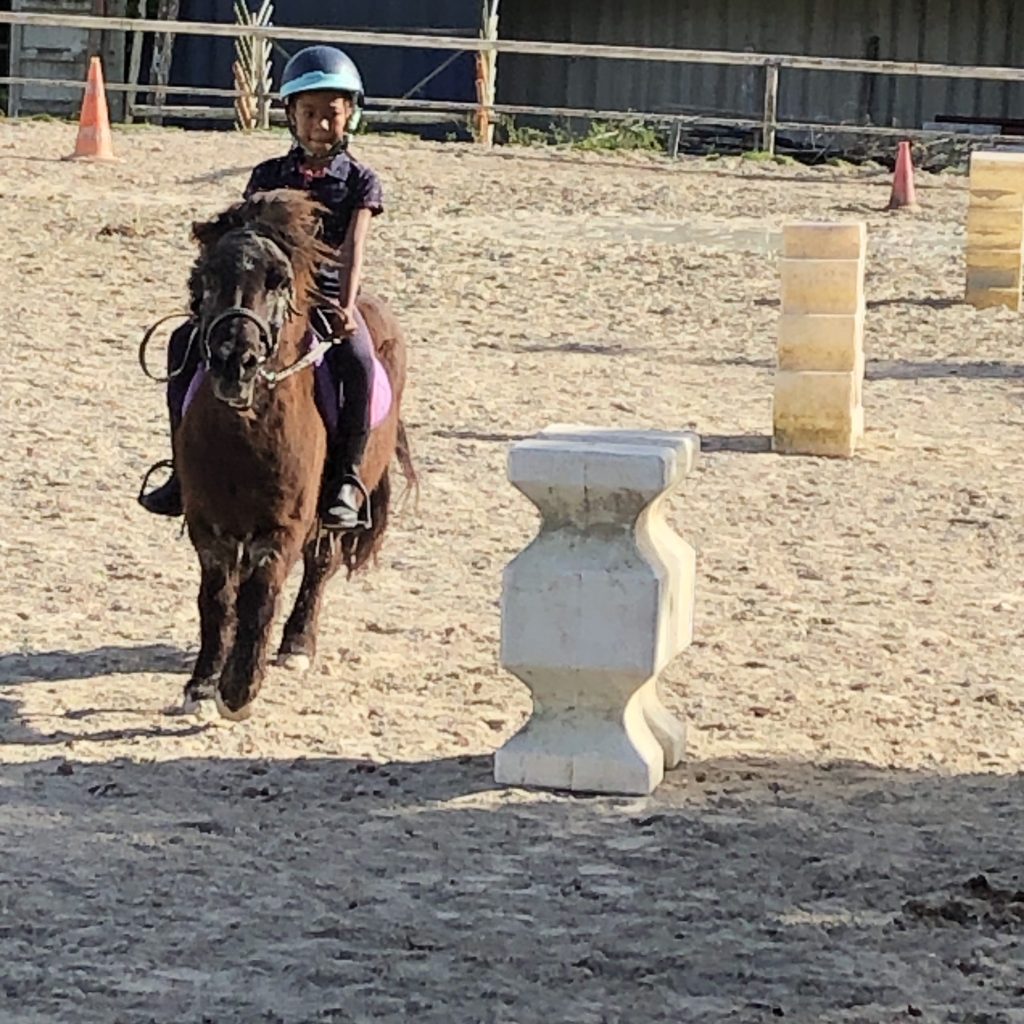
{"points": [[258, 593], [321, 559], [217, 592]]}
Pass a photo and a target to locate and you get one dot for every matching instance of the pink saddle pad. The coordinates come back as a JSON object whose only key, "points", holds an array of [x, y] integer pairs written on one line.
{"points": [[380, 400]]}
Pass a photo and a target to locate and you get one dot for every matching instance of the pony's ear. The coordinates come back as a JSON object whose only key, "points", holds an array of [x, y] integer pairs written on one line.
{"points": [[195, 289], [209, 232]]}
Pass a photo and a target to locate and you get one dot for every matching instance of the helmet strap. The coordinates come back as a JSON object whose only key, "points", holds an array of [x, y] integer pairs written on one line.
{"points": [[339, 147]]}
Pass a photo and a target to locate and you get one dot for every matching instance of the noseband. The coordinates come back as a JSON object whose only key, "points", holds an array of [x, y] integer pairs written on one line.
{"points": [[268, 333]]}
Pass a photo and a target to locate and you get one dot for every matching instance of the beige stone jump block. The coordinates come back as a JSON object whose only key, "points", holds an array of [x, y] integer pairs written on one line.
{"points": [[984, 219], [824, 240], [1003, 266], [817, 413], [997, 170], [821, 341], [992, 258], [993, 268], [822, 286], [990, 298], [979, 278], [994, 198], [993, 228]]}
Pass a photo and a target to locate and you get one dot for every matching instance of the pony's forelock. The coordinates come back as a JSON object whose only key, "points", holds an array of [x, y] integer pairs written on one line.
{"points": [[289, 218]]}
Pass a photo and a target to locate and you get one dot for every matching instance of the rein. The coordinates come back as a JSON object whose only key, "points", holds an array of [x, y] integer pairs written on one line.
{"points": [[148, 337], [268, 337], [274, 377]]}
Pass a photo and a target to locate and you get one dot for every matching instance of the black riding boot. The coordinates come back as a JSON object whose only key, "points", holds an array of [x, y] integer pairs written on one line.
{"points": [[345, 502], [182, 362], [165, 500]]}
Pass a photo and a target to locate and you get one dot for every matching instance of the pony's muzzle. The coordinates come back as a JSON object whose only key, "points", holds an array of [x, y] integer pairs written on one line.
{"points": [[236, 356], [238, 394], [237, 343]]}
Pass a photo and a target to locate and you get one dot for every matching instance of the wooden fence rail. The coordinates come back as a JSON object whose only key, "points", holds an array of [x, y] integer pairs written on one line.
{"points": [[425, 41], [412, 111]]}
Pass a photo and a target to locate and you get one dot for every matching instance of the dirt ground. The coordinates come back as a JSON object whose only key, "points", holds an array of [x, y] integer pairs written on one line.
{"points": [[844, 843]]}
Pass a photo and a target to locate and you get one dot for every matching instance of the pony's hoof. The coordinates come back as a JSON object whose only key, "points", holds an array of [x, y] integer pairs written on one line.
{"points": [[196, 692], [294, 662], [237, 715]]}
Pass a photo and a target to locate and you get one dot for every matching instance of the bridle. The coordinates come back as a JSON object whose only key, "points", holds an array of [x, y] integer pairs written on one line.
{"points": [[269, 333], [269, 336]]}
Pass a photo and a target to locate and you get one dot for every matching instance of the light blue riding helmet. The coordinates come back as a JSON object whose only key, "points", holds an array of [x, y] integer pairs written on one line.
{"points": [[324, 68]]}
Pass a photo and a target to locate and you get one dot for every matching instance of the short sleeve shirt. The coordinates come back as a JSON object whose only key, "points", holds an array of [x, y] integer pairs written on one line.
{"points": [[343, 187]]}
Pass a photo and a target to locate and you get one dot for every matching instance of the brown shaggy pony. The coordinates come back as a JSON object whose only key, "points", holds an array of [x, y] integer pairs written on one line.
{"points": [[251, 449]]}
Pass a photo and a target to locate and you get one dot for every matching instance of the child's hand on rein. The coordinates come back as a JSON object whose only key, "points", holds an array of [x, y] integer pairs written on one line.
{"points": [[342, 320], [347, 319]]}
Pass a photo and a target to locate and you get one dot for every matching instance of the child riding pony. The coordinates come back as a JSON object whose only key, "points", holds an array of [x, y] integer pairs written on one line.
{"points": [[323, 92]]}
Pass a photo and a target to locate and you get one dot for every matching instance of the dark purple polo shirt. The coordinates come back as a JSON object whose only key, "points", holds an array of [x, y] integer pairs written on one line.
{"points": [[345, 186]]}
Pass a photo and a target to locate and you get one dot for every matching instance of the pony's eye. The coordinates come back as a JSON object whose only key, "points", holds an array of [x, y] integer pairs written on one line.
{"points": [[275, 279]]}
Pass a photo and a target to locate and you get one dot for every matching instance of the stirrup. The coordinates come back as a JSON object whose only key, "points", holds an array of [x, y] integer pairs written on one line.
{"points": [[364, 517], [162, 464], [165, 500]]}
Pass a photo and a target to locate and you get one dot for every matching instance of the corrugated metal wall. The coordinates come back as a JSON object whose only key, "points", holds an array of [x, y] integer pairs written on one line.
{"points": [[387, 71], [940, 31]]}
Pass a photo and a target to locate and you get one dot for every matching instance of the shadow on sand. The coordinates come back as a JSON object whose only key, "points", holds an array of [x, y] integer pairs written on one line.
{"points": [[235, 890]]}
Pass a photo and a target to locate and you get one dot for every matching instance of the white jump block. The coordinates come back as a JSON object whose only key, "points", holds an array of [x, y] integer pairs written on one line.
{"points": [[595, 607], [995, 230], [817, 407]]}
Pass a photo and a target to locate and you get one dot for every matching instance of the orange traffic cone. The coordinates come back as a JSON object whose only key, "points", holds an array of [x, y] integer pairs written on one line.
{"points": [[94, 141], [903, 195]]}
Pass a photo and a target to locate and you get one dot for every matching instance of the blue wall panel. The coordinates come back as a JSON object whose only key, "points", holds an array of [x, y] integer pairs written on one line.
{"points": [[387, 71]]}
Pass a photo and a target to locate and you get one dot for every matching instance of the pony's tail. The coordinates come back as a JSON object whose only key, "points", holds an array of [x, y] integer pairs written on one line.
{"points": [[403, 453], [360, 547]]}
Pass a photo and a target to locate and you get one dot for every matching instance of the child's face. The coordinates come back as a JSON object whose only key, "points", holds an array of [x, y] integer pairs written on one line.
{"points": [[321, 120]]}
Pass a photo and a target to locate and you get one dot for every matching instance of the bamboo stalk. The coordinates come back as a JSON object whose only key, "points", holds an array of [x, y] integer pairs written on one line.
{"points": [[243, 102], [486, 73], [252, 68], [240, 69]]}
